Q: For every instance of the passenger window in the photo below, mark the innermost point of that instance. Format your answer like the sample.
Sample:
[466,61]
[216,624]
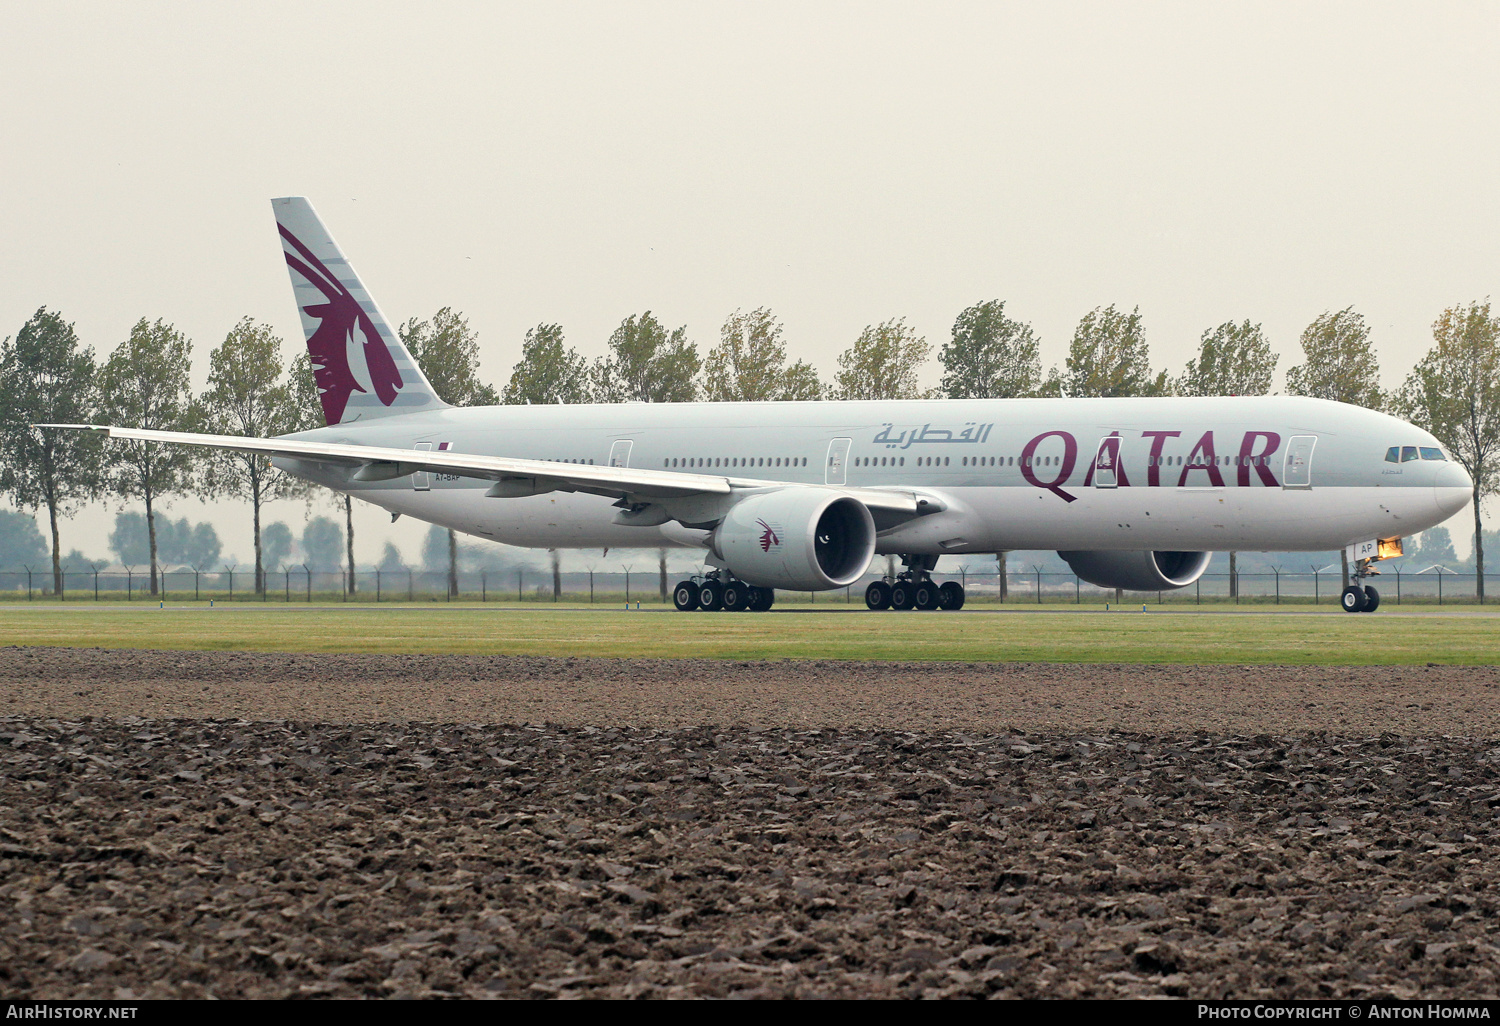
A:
[1408,453]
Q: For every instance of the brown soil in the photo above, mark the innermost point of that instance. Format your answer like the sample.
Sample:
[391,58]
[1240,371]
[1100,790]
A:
[185,824]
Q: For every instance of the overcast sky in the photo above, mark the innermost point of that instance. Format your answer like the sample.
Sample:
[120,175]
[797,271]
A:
[841,164]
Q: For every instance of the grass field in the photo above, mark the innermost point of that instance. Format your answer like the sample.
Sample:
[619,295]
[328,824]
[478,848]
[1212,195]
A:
[1455,636]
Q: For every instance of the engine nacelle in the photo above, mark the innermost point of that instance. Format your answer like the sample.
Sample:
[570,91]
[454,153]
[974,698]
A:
[806,539]
[1138,571]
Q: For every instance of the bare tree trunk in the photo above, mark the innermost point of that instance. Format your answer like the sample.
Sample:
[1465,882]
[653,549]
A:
[452,564]
[1119,596]
[349,539]
[260,567]
[556,575]
[661,567]
[1000,558]
[57,575]
[151,534]
[1478,550]
[1234,576]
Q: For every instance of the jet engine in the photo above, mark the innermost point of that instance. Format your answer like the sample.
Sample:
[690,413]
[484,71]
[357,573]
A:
[799,538]
[1138,571]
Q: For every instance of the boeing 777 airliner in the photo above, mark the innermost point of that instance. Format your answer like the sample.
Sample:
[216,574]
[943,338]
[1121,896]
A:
[1133,493]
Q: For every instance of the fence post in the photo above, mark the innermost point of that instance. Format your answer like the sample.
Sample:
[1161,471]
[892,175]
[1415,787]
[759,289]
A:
[1398,586]
[411,594]
[1440,587]
[484,591]
[377,585]
[1038,585]
[96,584]
[231,585]
[627,587]
[1198,590]
[1077,591]
[129,585]
[1278,586]
[308,570]
[195,584]
[519,574]
[1316,577]
[28,584]
[591,587]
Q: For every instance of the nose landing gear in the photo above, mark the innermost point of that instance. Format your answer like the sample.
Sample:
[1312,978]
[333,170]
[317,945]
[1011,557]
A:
[1361,598]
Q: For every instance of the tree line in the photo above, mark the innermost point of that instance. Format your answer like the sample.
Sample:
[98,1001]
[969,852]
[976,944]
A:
[48,376]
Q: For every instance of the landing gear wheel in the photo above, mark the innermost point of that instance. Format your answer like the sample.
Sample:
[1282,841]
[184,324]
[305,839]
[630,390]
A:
[878,595]
[1353,599]
[685,596]
[951,595]
[762,599]
[925,595]
[1372,600]
[710,596]
[903,595]
[736,596]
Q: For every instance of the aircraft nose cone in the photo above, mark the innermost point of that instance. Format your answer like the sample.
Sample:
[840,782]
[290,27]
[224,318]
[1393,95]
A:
[1452,489]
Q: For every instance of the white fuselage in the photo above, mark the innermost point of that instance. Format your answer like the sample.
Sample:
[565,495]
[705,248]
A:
[1099,474]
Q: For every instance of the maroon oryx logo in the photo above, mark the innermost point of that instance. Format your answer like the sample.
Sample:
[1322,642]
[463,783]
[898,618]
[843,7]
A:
[768,538]
[341,321]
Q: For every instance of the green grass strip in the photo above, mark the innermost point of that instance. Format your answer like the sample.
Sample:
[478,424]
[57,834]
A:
[1065,634]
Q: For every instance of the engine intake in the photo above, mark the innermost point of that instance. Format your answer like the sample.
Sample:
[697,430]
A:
[1138,571]
[801,538]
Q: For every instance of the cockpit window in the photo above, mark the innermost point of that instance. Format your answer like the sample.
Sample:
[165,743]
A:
[1432,454]
[1393,454]
[1408,453]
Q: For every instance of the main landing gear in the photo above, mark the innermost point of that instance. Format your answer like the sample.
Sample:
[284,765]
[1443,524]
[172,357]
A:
[914,588]
[719,591]
[1361,598]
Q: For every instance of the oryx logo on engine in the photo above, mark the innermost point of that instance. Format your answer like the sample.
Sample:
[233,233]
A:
[768,538]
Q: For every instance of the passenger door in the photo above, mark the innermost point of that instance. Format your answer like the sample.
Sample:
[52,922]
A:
[421,481]
[619,453]
[835,473]
[1107,462]
[1297,471]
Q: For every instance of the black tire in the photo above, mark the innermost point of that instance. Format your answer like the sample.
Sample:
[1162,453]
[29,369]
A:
[1372,600]
[710,596]
[951,595]
[878,595]
[925,596]
[903,595]
[1352,599]
[762,599]
[685,596]
[736,597]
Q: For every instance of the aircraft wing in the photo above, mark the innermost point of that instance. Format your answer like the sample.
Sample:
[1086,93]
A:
[378,463]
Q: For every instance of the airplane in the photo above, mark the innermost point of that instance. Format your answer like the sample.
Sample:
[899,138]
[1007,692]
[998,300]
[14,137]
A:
[1133,493]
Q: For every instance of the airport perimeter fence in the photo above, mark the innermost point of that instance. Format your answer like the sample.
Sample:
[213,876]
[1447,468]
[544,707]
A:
[531,585]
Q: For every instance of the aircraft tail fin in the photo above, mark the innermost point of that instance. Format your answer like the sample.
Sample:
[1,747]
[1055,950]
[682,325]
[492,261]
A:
[361,368]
